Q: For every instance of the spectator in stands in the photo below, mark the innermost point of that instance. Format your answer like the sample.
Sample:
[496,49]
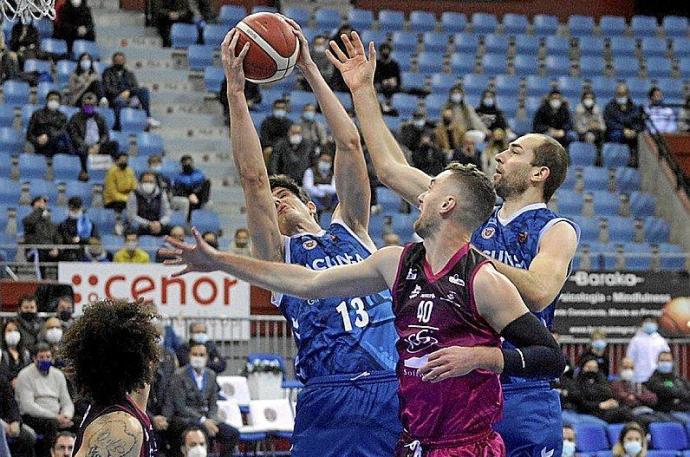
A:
[191,186]
[553,118]
[63,446]
[47,130]
[194,442]
[623,120]
[39,229]
[122,90]
[51,334]
[672,391]
[467,153]
[659,116]
[274,128]
[319,183]
[64,310]
[568,441]
[155,163]
[22,439]
[160,391]
[15,354]
[148,209]
[169,12]
[77,229]
[632,442]
[411,132]
[211,238]
[448,133]
[594,395]
[241,242]
[489,113]
[25,42]
[391,239]
[292,156]
[43,399]
[497,144]
[636,396]
[30,323]
[387,76]
[194,394]
[251,92]
[131,253]
[463,113]
[9,65]
[75,23]
[85,79]
[589,120]
[684,117]
[427,156]
[119,182]
[176,232]
[644,349]
[199,335]
[312,129]
[94,252]
[597,350]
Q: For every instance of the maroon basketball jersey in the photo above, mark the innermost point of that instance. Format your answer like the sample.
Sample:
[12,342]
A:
[434,312]
[127,405]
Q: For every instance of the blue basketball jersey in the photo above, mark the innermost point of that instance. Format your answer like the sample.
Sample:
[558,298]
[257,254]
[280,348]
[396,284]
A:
[337,335]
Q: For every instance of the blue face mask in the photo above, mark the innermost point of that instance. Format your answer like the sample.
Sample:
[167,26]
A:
[599,345]
[568,448]
[632,448]
[650,328]
[665,367]
[44,365]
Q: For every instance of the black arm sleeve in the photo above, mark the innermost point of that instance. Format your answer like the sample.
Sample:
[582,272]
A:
[536,355]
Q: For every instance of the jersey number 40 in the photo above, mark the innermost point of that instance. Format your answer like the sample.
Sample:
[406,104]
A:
[362,319]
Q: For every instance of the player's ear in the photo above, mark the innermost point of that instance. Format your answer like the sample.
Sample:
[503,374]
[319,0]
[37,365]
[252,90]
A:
[540,174]
[311,207]
[448,204]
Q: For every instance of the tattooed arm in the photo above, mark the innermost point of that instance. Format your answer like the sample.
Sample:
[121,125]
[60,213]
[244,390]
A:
[113,435]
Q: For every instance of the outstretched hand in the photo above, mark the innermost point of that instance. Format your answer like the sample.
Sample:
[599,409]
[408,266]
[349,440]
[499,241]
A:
[304,58]
[198,258]
[356,67]
[233,65]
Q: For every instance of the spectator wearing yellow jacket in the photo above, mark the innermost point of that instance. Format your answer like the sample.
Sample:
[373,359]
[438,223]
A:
[119,182]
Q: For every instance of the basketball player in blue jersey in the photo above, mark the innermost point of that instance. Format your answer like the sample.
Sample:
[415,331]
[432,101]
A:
[346,345]
[531,245]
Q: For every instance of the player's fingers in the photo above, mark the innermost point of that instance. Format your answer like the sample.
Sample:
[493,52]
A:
[170,252]
[292,22]
[181,272]
[197,236]
[433,374]
[228,37]
[357,43]
[173,261]
[436,354]
[429,366]
[372,52]
[331,58]
[233,43]
[348,45]
[173,242]
[243,52]
[443,376]
[337,51]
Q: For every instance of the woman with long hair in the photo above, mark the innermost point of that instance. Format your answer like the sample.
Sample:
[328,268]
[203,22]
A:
[632,441]
[85,79]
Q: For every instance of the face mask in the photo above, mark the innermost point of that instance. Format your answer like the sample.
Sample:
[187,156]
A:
[295,139]
[66,314]
[568,448]
[118,66]
[85,65]
[622,100]
[187,168]
[456,98]
[197,451]
[54,335]
[419,123]
[324,167]
[320,49]
[197,362]
[156,168]
[241,244]
[76,3]
[89,110]
[588,102]
[488,101]
[632,448]
[590,376]
[447,120]
[627,374]
[131,245]
[122,165]
[308,115]
[94,252]
[76,214]
[650,328]
[44,365]
[46,214]
[599,345]
[12,338]
[148,187]
[200,337]
[555,103]
[53,105]
[28,316]
[385,55]
[279,113]
[665,367]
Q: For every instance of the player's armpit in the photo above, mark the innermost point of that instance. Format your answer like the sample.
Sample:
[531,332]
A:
[112,435]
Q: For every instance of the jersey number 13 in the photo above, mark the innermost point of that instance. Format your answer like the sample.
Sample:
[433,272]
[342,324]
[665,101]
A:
[362,319]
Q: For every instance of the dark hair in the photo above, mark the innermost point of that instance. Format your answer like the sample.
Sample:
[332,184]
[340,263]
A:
[20,345]
[79,70]
[154,156]
[130,231]
[62,434]
[569,426]
[37,198]
[75,202]
[147,173]
[120,154]
[193,428]
[54,92]
[551,154]
[185,157]
[652,90]
[118,53]
[25,298]
[385,45]
[111,350]
[41,346]
[209,232]
[480,193]
[280,100]
[290,184]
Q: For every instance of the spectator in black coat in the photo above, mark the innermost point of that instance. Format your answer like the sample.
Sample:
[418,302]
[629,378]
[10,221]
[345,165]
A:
[122,90]
[39,229]
[594,395]
[293,155]
[15,355]
[411,132]
[89,132]
[597,350]
[623,119]
[75,22]
[387,76]
[199,335]
[95,252]
[427,157]
[30,324]
[21,439]
[336,82]
[672,391]
[274,127]
[155,163]
[9,64]
[553,119]
[159,393]
[148,209]
[25,41]
[489,113]
[169,12]
[47,130]
[77,229]
[190,185]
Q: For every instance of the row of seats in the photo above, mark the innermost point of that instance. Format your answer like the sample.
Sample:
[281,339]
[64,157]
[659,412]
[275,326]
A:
[669,436]
[59,47]
[597,256]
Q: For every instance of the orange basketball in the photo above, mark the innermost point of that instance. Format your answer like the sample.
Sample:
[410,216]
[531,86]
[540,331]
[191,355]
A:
[273,48]
[675,319]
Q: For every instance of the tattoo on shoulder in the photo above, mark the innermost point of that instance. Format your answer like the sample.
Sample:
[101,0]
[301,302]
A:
[114,438]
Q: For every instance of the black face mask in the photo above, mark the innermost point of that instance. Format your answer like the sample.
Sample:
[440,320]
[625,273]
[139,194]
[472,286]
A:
[28,316]
[385,55]
[447,120]
[118,67]
[187,169]
[65,315]
[590,377]
[122,165]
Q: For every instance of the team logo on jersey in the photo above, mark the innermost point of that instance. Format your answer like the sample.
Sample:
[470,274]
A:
[270,414]
[522,237]
[411,274]
[488,232]
[309,244]
[451,298]
[455,279]
[415,292]
[421,340]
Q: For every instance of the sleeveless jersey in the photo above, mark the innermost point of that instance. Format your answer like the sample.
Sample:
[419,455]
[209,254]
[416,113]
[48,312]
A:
[126,405]
[337,335]
[434,312]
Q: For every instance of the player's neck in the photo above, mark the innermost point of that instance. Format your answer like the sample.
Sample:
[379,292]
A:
[443,245]
[306,226]
[512,205]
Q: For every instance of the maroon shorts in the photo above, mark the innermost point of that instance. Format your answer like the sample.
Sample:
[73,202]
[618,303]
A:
[491,445]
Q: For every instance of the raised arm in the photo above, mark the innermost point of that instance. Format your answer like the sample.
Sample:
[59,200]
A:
[262,219]
[374,274]
[115,434]
[389,161]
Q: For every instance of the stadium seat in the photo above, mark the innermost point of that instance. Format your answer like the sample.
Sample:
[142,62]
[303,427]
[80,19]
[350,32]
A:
[422,21]
[557,46]
[360,19]
[68,111]
[527,44]
[122,140]
[532,104]
[213,78]
[442,82]
[658,453]
[149,144]
[199,56]
[453,22]
[473,83]
[582,154]
[620,229]
[183,35]
[264,9]
[668,435]
[466,42]
[545,24]
[526,64]
[673,87]
[434,103]
[515,23]
[133,120]
[590,438]
[623,46]
[494,64]
[615,155]
[644,26]
[327,18]
[178,218]
[345,99]
[658,67]
[507,85]
[522,127]
[103,218]
[10,191]
[638,257]
[580,26]
[40,66]
[672,257]
[6,115]
[589,229]
[591,46]
[642,204]
[214,34]
[81,46]
[58,214]
[377,36]
[627,179]
[570,203]
[595,178]
[626,67]
[299,15]
[108,115]
[605,203]
[496,44]
[64,68]
[404,41]
[391,20]
[413,81]
[656,230]
[603,87]
[43,88]
[205,220]
[27,112]
[405,104]
[462,63]
[484,23]
[435,42]
[570,87]
[612,25]
[638,87]
[5,168]
[41,187]
[684,67]
[299,99]
[508,104]
[557,66]
[54,46]
[65,167]
[45,28]
[393,123]
[11,141]
[592,66]
[230,15]
[653,46]
[675,26]
[15,92]
[32,166]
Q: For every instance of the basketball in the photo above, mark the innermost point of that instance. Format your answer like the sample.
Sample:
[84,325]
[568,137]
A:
[273,48]
[675,319]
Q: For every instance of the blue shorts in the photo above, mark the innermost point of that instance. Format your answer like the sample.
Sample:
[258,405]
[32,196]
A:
[532,425]
[340,417]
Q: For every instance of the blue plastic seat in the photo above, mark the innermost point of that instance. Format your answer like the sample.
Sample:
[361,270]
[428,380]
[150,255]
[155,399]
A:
[496,44]
[404,59]
[484,23]
[213,36]
[230,15]
[638,256]
[183,35]
[149,144]
[205,220]
[507,85]
[557,45]
[360,19]
[672,257]
[10,191]
[653,46]
[626,67]
[404,41]
[6,115]
[591,46]
[545,24]
[81,46]
[668,435]
[508,104]
[413,81]
[684,67]
[16,92]
[620,229]
[590,438]
[32,166]
[582,154]
[11,140]
[436,42]
[453,22]
[299,99]
[442,82]
[65,167]
[627,179]
[515,23]
[5,168]
[605,203]
[327,18]
[393,123]
[612,25]
[40,66]
[213,78]
[589,229]
[557,66]
[108,115]
[43,88]
[466,42]
[41,187]
[64,68]
[595,178]
[391,20]
[675,26]
[27,112]
[461,63]
[133,120]
[644,26]
[53,46]
[493,64]
[422,21]
[527,44]
[434,103]
[623,46]
[615,154]
[603,86]
[199,56]
[522,127]
[526,64]
[68,111]
[45,28]
[570,203]
[570,87]
[662,453]
[638,87]
[473,83]
[673,87]
[580,26]
[405,104]
[103,218]
[656,230]
[122,140]
[377,36]
[299,15]
[658,67]
[642,204]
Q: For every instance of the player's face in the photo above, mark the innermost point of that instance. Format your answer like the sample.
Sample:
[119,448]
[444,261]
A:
[514,167]
[291,210]
[430,203]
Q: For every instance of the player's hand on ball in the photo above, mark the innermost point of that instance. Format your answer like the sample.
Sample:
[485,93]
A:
[232,64]
[448,363]
[200,258]
[304,59]
[356,67]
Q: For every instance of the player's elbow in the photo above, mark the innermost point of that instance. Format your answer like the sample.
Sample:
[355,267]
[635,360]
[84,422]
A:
[539,300]
[253,179]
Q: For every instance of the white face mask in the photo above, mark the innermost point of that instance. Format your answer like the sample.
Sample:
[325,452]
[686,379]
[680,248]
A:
[632,448]
[309,115]
[555,103]
[280,113]
[456,98]
[295,139]
[12,338]
[324,167]
[197,451]
[622,100]
[76,3]
[54,335]
[131,245]
[627,374]
[488,101]
[156,167]
[76,214]
[419,123]
[197,362]
[200,337]
[85,65]
[588,102]
[148,187]
[53,105]
[320,49]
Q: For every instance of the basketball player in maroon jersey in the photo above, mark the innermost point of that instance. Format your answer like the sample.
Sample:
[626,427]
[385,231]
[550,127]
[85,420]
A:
[449,301]
[112,352]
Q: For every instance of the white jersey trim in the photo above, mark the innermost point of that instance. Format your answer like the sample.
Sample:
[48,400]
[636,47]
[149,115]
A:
[550,224]
[522,210]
